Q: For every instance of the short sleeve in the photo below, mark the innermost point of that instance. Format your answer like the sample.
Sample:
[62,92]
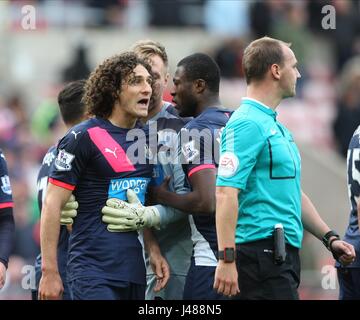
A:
[197,150]
[73,153]
[241,143]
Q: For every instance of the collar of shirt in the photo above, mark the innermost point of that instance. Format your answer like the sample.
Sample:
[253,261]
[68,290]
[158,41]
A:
[260,106]
[161,113]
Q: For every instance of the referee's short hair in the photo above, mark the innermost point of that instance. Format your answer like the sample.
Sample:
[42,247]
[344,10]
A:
[259,55]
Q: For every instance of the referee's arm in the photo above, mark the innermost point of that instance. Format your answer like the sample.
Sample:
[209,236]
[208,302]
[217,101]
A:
[226,276]
[314,224]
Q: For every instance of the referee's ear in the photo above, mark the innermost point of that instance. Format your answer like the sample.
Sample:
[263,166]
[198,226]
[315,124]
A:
[275,71]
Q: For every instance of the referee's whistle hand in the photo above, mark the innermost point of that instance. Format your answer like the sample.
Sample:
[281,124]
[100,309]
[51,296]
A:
[50,287]
[226,279]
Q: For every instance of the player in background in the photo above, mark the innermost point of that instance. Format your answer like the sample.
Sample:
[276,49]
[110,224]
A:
[72,111]
[349,276]
[7,225]
[108,156]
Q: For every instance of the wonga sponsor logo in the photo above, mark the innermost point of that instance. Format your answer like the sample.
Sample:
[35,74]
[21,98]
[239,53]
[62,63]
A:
[118,187]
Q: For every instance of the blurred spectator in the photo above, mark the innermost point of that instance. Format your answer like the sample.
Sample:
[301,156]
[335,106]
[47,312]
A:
[165,13]
[227,18]
[107,12]
[229,58]
[175,13]
[13,289]
[314,8]
[79,67]
[43,120]
[348,105]
[25,244]
[291,28]
[260,19]
[346,35]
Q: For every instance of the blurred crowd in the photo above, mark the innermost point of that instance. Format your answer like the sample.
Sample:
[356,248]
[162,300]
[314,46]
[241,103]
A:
[26,134]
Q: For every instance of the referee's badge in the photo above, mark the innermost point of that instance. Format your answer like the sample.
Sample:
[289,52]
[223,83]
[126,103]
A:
[228,165]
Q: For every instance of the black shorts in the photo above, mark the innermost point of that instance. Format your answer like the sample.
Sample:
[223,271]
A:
[260,278]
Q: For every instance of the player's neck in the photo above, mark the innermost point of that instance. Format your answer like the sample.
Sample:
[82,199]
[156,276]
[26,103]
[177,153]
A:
[153,112]
[264,94]
[121,119]
[207,103]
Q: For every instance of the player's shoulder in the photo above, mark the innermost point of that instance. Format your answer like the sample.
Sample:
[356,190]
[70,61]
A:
[51,149]
[85,125]
[79,131]
[355,140]
[49,156]
[2,161]
[172,113]
[170,120]
[211,118]
[2,155]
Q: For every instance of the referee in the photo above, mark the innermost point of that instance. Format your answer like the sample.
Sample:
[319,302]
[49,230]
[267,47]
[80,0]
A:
[258,193]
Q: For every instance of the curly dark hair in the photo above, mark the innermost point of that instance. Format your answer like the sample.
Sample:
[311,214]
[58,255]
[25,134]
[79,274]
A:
[103,87]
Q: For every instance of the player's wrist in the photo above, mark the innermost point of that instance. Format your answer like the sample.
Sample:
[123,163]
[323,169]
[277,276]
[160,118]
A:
[331,242]
[153,217]
[227,255]
[49,270]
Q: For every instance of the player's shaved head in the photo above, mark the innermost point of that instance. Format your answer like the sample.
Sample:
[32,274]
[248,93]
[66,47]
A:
[202,66]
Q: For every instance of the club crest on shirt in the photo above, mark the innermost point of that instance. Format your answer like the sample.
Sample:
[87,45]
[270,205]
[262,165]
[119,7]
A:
[228,165]
[5,185]
[189,151]
[63,160]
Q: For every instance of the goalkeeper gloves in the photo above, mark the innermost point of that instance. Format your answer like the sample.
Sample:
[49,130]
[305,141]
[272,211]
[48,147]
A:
[122,216]
[69,211]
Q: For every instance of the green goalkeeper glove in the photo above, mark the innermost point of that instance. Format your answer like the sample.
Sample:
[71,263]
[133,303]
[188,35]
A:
[122,216]
[69,211]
